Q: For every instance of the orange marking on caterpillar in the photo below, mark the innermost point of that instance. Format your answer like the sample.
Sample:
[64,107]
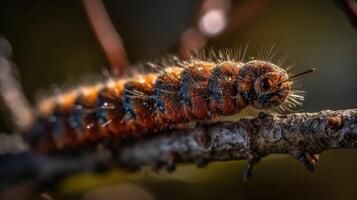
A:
[147,103]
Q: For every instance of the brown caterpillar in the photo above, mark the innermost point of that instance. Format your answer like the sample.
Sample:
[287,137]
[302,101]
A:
[195,90]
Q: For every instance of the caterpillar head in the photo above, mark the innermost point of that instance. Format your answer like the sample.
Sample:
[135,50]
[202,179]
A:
[271,89]
[265,85]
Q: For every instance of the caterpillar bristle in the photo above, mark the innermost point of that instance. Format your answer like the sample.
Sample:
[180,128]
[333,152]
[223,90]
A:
[172,92]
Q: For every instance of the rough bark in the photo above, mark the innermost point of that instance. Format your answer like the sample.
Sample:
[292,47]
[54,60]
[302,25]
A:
[302,135]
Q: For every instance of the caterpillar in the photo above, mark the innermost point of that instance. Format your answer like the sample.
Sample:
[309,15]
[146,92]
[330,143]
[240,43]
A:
[195,90]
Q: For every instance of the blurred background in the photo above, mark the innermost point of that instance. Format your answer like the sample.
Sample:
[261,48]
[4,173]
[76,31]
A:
[56,42]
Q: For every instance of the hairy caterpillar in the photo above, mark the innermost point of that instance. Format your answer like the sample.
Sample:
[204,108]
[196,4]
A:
[194,90]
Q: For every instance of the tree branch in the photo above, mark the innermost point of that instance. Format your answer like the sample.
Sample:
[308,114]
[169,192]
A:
[301,135]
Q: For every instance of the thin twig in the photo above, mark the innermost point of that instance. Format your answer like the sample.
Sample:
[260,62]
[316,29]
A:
[349,7]
[11,93]
[108,37]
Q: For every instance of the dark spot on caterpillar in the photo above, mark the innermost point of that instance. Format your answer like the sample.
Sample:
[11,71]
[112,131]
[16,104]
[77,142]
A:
[185,89]
[266,84]
[223,89]
[55,123]
[159,89]
[38,132]
[128,100]
[147,103]
[101,102]
[168,97]
[213,84]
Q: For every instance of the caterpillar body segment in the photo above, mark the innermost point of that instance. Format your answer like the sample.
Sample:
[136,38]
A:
[147,103]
